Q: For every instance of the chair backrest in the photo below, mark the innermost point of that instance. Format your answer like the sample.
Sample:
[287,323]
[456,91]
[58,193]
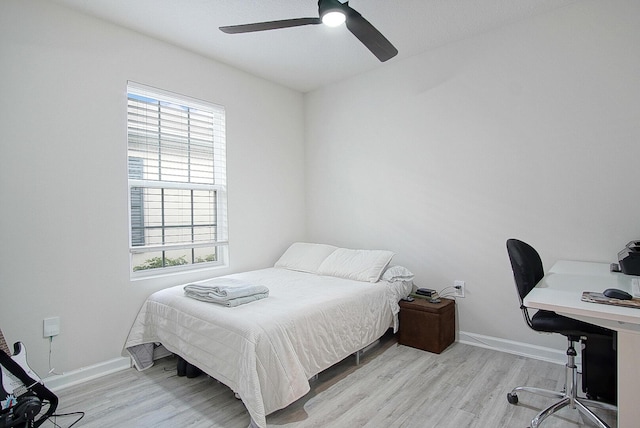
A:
[526,265]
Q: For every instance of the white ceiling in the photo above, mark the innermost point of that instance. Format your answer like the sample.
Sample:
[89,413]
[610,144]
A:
[306,58]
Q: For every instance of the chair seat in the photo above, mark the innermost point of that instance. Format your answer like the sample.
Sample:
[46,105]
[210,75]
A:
[550,322]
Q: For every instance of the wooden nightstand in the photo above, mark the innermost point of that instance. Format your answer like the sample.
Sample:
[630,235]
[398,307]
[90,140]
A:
[427,326]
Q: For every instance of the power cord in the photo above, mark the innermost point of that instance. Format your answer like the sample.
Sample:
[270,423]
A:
[59,415]
[51,370]
[487,344]
[53,418]
[449,294]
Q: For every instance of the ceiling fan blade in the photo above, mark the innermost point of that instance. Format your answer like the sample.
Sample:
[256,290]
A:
[270,25]
[368,35]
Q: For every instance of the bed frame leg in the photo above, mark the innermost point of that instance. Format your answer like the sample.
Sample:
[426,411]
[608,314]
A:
[365,349]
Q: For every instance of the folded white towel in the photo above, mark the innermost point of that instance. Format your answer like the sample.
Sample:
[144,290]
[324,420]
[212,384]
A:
[229,302]
[222,290]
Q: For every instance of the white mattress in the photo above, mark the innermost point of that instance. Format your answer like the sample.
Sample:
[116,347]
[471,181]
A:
[267,350]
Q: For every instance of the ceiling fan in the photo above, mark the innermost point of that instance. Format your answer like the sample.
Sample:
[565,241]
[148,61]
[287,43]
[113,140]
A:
[331,13]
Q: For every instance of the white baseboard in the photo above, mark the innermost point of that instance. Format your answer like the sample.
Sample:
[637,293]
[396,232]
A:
[75,377]
[516,348]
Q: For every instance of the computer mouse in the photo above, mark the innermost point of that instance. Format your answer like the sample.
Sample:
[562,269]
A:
[614,293]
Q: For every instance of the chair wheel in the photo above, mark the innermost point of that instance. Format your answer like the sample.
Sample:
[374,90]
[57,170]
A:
[512,398]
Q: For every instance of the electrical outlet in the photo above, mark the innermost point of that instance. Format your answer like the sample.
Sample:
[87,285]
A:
[459,287]
[51,327]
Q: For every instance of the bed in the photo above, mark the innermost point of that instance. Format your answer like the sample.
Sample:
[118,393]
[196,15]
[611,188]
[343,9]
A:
[324,304]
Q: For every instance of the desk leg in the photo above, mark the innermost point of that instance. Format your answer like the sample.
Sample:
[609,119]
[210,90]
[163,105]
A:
[628,379]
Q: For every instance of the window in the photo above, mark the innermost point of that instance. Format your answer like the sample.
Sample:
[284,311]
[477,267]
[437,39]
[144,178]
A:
[177,181]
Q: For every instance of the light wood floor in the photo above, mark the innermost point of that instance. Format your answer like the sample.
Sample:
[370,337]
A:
[394,386]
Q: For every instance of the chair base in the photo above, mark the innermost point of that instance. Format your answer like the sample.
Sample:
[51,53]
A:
[567,397]
[565,400]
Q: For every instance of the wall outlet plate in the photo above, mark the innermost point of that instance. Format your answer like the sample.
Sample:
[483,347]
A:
[459,288]
[51,326]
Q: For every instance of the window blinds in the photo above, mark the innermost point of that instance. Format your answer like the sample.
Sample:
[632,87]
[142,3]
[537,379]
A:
[177,177]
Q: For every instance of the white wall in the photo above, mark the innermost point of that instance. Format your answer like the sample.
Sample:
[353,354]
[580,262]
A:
[63,174]
[530,131]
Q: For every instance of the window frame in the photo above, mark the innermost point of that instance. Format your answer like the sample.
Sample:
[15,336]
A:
[217,186]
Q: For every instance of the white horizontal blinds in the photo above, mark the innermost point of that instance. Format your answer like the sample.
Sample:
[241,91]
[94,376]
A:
[136,203]
[177,178]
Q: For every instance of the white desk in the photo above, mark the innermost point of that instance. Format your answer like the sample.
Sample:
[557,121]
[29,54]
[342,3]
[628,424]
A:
[560,291]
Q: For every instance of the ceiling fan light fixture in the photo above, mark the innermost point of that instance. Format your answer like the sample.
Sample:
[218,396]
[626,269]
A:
[331,13]
[333,18]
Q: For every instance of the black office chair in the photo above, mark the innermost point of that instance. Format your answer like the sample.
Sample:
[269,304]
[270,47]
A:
[527,272]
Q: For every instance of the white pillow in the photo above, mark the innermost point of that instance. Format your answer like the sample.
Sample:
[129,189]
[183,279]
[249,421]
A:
[304,257]
[361,265]
[397,273]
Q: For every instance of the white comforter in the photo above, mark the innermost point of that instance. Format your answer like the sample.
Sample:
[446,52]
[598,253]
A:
[267,350]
